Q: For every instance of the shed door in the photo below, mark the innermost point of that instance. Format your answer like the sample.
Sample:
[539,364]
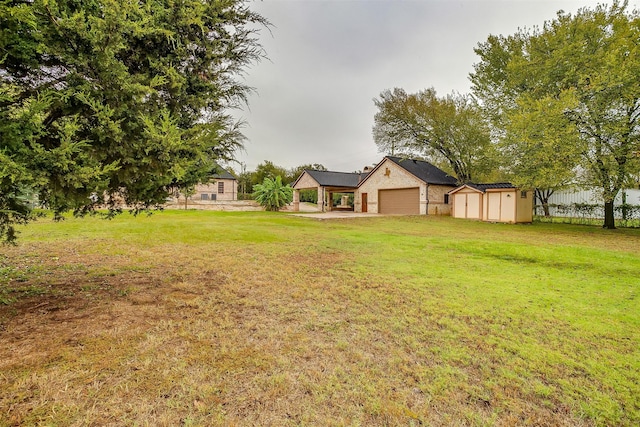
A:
[493,208]
[405,201]
[459,205]
[467,205]
[508,206]
[473,206]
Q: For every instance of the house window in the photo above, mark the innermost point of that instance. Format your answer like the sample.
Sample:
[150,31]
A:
[220,187]
[213,196]
[446,199]
[204,196]
[523,194]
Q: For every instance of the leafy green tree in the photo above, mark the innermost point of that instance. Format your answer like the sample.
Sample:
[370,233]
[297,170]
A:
[447,130]
[307,195]
[273,194]
[390,143]
[105,102]
[568,94]
[540,148]
[295,173]
[269,170]
[245,185]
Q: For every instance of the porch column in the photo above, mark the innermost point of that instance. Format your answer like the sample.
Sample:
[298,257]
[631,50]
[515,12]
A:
[296,200]
[321,199]
[329,201]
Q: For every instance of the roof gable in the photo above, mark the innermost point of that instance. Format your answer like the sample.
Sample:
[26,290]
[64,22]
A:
[422,170]
[483,188]
[219,173]
[335,179]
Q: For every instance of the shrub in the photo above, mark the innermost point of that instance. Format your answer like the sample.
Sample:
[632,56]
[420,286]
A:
[272,194]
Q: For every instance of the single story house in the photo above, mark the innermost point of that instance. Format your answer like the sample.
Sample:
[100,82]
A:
[394,186]
[499,202]
[405,186]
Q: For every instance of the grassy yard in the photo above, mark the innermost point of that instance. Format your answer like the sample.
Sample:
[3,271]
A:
[214,318]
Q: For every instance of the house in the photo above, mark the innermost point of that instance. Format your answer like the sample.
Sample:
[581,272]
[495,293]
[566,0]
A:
[499,202]
[405,186]
[224,186]
[394,186]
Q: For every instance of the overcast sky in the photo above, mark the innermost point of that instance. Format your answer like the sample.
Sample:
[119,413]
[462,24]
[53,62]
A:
[328,59]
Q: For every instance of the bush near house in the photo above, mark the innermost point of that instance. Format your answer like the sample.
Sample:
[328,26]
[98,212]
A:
[272,194]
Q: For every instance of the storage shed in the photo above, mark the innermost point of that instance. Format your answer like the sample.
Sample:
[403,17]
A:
[498,202]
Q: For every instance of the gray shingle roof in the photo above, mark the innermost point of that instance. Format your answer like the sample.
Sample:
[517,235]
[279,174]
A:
[496,185]
[220,173]
[424,171]
[336,179]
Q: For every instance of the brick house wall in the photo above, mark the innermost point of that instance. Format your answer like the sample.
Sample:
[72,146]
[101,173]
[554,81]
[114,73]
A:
[390,176]
[221,189]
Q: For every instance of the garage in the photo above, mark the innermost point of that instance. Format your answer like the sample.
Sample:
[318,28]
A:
[405,201]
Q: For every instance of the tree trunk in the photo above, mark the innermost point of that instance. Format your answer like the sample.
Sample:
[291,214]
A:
[543,196]
[609,220]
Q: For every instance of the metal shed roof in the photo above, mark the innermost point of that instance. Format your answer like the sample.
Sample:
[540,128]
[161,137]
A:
[494,186]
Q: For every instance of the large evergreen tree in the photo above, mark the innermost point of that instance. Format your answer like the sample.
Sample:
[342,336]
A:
[104,102]
[565,98]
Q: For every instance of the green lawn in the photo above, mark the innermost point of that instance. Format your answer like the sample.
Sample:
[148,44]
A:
[217,318]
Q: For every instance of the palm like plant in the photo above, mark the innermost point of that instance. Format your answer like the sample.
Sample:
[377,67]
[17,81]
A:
[272,194]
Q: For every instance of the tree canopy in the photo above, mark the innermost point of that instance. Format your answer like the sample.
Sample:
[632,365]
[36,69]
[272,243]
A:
[449,130]
[268,169]
[104,103]
[565,99]
[295,173]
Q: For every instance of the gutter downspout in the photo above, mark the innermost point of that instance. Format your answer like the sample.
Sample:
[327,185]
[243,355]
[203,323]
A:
[427,211]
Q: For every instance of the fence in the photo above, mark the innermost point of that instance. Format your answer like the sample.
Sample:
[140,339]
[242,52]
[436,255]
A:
[583,207]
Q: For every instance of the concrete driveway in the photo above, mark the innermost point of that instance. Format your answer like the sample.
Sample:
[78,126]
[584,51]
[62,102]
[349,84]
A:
[336,215]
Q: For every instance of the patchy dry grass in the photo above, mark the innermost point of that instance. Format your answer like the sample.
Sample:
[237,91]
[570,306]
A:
[210,318]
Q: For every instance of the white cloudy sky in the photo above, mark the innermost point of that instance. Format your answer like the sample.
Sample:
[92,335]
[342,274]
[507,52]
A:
[328,59]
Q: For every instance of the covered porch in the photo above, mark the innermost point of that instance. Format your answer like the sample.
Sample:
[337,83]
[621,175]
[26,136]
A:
[327,184]
[325,198]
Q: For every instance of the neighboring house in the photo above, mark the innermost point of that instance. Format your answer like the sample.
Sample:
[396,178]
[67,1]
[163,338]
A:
[223,186]
[500,202]
[393,186]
